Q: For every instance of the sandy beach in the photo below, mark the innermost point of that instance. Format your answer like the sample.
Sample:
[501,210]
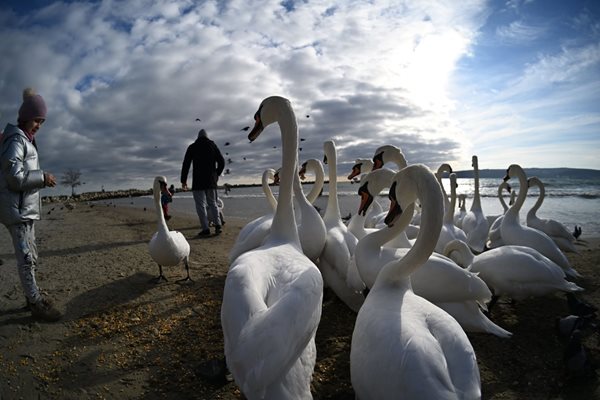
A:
[124,337]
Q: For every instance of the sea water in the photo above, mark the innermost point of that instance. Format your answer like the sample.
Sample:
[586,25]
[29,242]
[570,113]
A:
[569,201]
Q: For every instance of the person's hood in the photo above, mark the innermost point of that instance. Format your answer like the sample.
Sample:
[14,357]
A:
[12,130]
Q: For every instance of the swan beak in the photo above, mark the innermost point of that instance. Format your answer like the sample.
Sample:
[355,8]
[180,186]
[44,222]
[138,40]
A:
[365,200]
[325,159]
[395,209]
[393,213]
[377,161]
[355,171]
[302,171]
[258,126]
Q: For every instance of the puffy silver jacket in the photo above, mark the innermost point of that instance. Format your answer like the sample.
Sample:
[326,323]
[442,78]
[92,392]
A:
[20,178]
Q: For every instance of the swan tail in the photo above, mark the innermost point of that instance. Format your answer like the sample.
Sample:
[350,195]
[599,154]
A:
[573,273]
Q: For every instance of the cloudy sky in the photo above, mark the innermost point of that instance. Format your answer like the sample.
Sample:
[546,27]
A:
[514,81]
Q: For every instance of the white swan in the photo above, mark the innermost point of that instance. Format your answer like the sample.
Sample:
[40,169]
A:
[167,248]
[514,233]
[339,246]
[439,280]
[272,296]
[403,345]
[449,230]
[254,232]
[494,234]
[557,231]
[474,223]
[316,167]
[517,272]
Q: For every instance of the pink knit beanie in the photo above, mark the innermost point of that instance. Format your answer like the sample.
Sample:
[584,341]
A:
[33,106]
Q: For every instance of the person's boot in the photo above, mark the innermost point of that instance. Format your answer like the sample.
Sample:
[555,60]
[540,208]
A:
[45,310]
[218,229]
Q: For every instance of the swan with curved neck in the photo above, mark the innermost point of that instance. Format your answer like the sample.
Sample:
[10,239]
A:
[557,231]
[402,343]
[474,223]
[254,232]
[514,233]
[340,243]
[273,294]
[449,230]
[167,248]
[316,167]
[518,272]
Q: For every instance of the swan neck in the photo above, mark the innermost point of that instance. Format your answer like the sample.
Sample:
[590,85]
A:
[501,198]
[318,185]
[333,207]
[476,205]
[516,207]
[161,223]
[268,192]
[284,221]
[540,199]
[432,214]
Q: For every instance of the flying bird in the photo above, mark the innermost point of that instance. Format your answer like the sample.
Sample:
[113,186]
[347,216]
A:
[198,119]
[226,143]
[245,128]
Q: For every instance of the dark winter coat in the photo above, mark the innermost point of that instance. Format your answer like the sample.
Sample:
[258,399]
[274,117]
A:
[208,164]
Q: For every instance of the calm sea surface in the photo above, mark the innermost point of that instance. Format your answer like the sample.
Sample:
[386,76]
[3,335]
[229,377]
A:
[570,201]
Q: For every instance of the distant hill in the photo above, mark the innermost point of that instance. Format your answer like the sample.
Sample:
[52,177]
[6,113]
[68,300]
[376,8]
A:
[570,173]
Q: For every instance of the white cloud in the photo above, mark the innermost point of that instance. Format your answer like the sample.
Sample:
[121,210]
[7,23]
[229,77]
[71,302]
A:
[125,81]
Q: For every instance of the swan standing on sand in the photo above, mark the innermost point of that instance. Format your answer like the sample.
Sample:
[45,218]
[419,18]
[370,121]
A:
[253,233]
[517,272]
[403,345]
[474,223]
[557,231]
[167,248]
[339,247]
[273,294]
[514,233]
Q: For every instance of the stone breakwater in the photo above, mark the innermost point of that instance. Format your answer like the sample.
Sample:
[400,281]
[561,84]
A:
[93,196]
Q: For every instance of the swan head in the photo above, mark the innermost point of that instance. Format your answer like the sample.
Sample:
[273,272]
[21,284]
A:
[443,168]
[159,183]
[302,170]
[268,112]
[512,170]
[408,185]
[358,167]
[388,153]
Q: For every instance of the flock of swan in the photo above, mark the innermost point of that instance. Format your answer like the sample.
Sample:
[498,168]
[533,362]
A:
[419,275]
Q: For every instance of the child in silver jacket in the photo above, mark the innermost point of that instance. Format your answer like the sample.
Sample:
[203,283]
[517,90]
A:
[20,204]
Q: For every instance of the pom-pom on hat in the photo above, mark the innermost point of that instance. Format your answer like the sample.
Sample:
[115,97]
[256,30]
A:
[33,106]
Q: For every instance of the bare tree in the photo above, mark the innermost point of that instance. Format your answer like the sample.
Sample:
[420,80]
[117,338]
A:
[71,177]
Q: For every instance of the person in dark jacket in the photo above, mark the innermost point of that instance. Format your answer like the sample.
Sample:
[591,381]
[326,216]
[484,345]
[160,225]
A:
[208,165]
[21,179]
